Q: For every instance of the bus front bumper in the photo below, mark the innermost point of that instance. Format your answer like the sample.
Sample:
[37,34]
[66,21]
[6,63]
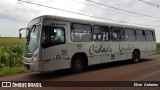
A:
[32,65]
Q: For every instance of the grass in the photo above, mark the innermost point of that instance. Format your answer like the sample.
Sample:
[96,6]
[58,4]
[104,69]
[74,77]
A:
[7,70]
[158,48]
[5,40]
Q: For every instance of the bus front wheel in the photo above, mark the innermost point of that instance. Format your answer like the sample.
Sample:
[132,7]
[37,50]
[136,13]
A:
[77,64]
[135,57]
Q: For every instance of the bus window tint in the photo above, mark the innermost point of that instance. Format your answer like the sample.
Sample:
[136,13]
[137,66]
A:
[100,33]
[149,36]
[129,35]
[117,34]
[140,35]
[81,33]
[52,36]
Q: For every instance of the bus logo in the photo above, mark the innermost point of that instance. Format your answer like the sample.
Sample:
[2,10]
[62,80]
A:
[6,84]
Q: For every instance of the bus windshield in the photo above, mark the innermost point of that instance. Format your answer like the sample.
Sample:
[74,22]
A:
[32,38]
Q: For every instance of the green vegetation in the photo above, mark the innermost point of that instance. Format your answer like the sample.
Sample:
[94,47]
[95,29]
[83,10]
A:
[7,70]
[158,48]
[11,55]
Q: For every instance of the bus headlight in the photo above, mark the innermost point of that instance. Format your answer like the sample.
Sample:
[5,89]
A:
[35,58]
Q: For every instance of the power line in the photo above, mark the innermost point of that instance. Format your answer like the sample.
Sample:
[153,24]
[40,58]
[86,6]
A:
[149,3]
[68,11]
[121,9]
[83,14]
[107,9]
[95,6]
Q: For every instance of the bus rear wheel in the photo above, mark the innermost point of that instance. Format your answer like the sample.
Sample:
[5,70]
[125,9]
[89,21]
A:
[78,64]
[135,57]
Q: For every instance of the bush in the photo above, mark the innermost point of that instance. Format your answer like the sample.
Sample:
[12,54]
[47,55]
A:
[2,65]
[11,51]
[158,48]
[11,55]
[7,70]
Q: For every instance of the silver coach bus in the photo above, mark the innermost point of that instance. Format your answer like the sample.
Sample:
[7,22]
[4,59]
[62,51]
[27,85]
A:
[54,42]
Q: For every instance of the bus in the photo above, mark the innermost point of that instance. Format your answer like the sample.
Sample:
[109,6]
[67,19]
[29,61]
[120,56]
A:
[56,42]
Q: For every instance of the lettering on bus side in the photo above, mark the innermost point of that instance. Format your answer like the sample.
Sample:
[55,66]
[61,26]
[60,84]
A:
[95,49]
[125,49]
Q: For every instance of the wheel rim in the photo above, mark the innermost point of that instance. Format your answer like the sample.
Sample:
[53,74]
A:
[78,64]
[136,57]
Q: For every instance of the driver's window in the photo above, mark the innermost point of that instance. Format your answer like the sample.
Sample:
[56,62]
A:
[57,35]
[53,35]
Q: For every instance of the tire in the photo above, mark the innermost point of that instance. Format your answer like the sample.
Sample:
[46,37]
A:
[78,64]
[135,57]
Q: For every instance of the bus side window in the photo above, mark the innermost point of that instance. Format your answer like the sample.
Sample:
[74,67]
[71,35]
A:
[81,33]
[94,37]
[154,38]
[140,35]
[129,34]
[100,33]
[149,36]
[52,35]
[117,34]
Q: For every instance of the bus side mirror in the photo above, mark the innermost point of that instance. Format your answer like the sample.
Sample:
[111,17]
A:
[20,35]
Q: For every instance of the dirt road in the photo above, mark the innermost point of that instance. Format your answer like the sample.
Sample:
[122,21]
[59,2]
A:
[148,69]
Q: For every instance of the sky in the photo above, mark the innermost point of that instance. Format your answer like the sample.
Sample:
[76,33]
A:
[15,14]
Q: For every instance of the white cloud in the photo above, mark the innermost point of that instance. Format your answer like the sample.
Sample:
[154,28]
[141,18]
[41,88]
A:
[15,14]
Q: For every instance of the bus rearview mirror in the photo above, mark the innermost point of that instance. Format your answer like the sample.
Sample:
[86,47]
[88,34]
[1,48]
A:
[20,35]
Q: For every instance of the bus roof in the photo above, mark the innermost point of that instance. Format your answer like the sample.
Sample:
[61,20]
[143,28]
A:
[74,20]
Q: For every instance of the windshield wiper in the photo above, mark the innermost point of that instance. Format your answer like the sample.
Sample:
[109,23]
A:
[29,34]
[28,37]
